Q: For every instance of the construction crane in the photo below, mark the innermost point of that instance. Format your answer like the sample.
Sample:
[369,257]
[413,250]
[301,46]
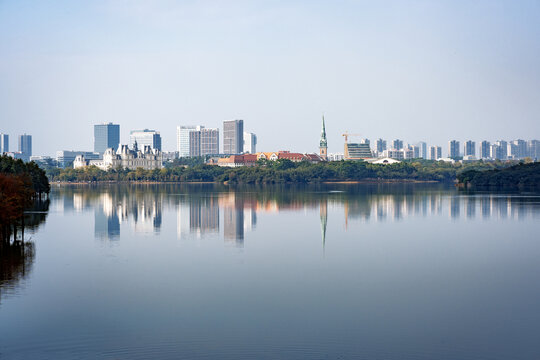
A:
[346,135]
[346,149]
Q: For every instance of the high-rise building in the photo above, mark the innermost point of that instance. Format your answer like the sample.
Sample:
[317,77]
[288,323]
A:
[25,146]
[250,143]
[233,136]
[435,152]
[106,135]
[503,149]
[484,149]
[423,149]
[533,148]
[453,149]
[381,146]
[148,137]
[470,148]
[209,141]
[415,151]
[518,149]
[397,144]
[65,157]
[4,143]
[195,143]
[323,143]
[203,141]
[182,138]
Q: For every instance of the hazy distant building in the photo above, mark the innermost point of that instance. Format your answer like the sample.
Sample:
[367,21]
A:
[533,148]
[435,152]
[250,143]
[144,137]
[397,144]
[469,149]
[106,135]
[25,146]
[423,149]
[66,157]
[4,143]
[323,143]
[517,149]
[502,150]
[381,146]
[484,149]
[453,149]
[401,154]
[233,136]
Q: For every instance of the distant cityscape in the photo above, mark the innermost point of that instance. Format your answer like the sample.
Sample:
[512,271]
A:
[239,148]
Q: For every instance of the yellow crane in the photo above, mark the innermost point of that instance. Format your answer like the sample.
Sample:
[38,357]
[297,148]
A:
[346,150]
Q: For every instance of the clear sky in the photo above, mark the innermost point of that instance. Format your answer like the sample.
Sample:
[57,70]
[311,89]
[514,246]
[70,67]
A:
[415,70]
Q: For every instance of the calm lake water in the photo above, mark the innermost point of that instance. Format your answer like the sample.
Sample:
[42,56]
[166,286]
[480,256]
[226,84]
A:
[316,272]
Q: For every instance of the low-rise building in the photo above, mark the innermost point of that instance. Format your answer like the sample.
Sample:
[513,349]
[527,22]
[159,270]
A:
[236,160]
[148,158]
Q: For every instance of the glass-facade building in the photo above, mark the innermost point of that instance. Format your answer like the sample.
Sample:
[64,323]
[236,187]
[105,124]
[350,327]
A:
[145,137]
[106,136]
[25,146]
[4,143]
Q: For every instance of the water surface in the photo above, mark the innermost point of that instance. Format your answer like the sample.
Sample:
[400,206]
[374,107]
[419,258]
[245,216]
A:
[314,272]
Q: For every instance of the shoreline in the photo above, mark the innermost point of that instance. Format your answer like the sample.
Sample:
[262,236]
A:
[363,181]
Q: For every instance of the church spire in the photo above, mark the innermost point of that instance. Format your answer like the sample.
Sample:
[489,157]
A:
[323,144]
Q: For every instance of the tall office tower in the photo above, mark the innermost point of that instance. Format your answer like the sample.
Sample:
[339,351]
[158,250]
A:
[415,151]
[233,136]
[106,135]
[470,148]
[381,146]
[4,143]
[397,144]
[423,149]
[182,138]
[497,152]
[250,143]
[195,143]
[533,149]
[519,148]
[209,141]
[503,148]
[145,137]
[484,149]
[25,146]
[453,149]
[435,152]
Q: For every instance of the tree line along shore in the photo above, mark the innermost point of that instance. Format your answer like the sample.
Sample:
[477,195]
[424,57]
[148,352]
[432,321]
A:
[280,171]
[21,186]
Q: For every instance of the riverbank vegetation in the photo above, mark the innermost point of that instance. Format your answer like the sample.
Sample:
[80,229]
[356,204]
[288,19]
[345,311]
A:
[521,176]
[21,185]
[281,171]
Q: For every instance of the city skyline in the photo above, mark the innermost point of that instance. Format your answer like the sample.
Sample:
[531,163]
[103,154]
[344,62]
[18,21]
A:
[397,70]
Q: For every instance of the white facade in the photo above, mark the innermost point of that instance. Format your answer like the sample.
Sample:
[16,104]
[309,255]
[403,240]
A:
[182,138]
[145,137]
[148,159]
[250,143]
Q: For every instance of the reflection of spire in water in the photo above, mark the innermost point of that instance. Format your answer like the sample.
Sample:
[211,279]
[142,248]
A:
[324,220]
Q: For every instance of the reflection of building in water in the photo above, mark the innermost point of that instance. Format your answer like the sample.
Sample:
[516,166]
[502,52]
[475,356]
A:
[106,220]
[250,218]
[454,207]
[323,213]
[204,214]
[233,220]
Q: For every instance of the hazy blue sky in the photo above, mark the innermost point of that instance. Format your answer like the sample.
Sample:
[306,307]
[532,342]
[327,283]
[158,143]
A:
[417,70]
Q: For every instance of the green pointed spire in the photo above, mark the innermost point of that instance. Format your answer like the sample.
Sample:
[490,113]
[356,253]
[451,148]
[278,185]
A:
[323,142]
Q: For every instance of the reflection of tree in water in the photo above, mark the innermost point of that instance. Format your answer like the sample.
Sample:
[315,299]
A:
[16,259]
[17,254]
